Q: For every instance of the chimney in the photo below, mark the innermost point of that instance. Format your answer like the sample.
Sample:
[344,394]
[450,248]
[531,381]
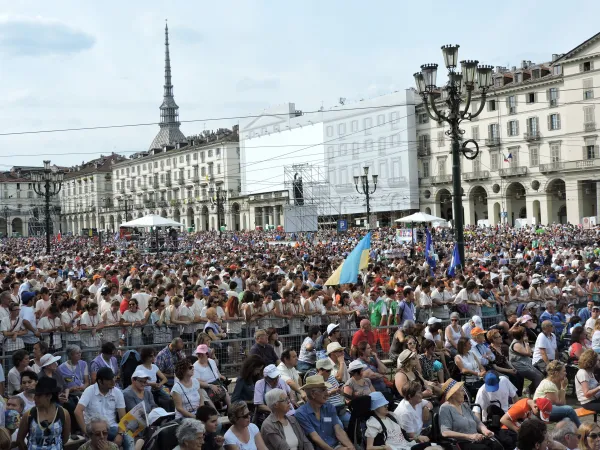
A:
[523,64]
[514,69]
[554,56]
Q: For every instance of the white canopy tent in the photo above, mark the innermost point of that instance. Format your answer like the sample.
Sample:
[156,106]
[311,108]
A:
[151,220]
[419,218]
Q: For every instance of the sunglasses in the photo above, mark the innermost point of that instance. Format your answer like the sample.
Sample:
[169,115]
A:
[593,435]
[453,320]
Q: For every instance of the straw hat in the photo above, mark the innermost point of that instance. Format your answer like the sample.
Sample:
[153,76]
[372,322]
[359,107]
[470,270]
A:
[315,382]
[450,387]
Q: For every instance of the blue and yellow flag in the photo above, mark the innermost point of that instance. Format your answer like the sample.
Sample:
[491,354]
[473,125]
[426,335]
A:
[357,260]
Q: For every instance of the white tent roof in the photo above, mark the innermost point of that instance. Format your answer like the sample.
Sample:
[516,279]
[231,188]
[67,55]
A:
[420,217]
[152,220]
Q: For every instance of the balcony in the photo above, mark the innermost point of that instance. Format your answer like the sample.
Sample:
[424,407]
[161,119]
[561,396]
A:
[181,181]
[479,175]
[162,204]
[144,187]
[590,126]
[441,179]
[532,136]
[492,142]
[423,149]
[122,191]
[175,203]
[513,171]
[196,179]
[168,183]
[395,182]
[155,185]
[138,206]
[132,189]
[149,204]
[552,167]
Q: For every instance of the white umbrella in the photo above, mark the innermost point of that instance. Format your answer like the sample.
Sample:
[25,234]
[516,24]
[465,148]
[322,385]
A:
[152,220]
[420,217]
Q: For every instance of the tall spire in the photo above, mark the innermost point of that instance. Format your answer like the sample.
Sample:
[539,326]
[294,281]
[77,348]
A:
[169,133]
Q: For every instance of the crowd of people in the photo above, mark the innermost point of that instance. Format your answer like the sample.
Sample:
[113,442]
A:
[407,356]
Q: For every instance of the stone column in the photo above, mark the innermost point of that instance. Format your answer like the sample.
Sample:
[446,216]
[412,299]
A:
[574,202]
[598,202]
[276,215]
[469,211]
[492,216]
[529,206]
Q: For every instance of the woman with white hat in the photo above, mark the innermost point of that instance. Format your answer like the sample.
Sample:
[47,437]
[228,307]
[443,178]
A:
[408,364]
[357,385]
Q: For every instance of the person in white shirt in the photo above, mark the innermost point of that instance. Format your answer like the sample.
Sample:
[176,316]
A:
[4,305]
[142,297]
[105,400]
[413,411]
[43,303]
[545,345]
[51,323]
[289,374]
[495,389]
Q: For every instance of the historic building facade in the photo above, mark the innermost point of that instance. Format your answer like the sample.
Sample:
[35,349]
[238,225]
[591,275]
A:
[538,139]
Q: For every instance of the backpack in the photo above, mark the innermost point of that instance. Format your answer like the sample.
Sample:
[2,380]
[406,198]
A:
[381,438]
[161,436]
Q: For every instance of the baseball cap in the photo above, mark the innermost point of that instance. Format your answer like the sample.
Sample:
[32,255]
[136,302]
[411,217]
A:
[477,331]
[545,407]
[433,320]
[271,371]
[492,382]
[139,372]
[202,348]
[331,327]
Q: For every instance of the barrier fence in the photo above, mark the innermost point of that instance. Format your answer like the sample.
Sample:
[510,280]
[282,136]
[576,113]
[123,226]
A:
[230,353]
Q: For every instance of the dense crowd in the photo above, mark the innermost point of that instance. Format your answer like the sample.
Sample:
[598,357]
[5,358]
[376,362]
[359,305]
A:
[406,357]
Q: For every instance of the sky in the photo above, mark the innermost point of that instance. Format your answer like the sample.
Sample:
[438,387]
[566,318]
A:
[71,64]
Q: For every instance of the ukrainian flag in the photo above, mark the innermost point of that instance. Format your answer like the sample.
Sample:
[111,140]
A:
[357,260]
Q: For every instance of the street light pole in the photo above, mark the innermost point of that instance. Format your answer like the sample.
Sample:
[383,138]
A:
[48,184]
[364,179]
[459,85]
[218,197]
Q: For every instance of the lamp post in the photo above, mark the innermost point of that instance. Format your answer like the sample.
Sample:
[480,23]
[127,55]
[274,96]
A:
[364,181]
[218,197]
[48,184]
[459,89]
[6,214]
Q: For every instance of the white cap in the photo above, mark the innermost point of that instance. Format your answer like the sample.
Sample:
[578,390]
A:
[331,327]
[139,372]
[157,413]
[433,320]
[271,371]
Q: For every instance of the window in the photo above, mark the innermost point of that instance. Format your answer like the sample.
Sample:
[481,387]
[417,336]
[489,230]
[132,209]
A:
[513,128]
[588,114]
[355,150]
[329,131]
[532,126]
[514,151]
[343,150]
[218,169]
[381,145]
[556,70]
[210,153]
[494,161]
[29,194]
[341,129]
[535,73]
[492,105]
[477,165]
[354,126]
[156,164]
[194,157]
[380,120]
[554,121]
[168,162]
[493,131]
[534,156]
[424,143]
[202,156]
[588,88]
[330,152]
[425,169]
[590,149]
[553,96]
[511,104]
[218,152]
[498,82]
[586,66]
[368,124]
[475,132]
[555,152]
[203,171]
[395,120]
[440,139]
[369,146]
[442,166]
[423,118]
[530,97]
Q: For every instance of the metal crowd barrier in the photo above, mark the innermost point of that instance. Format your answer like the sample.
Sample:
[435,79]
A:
[230,353]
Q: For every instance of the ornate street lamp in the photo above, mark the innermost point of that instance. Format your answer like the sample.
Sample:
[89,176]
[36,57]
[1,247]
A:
[218,197]
[364,181]
[459,89]
[47,183]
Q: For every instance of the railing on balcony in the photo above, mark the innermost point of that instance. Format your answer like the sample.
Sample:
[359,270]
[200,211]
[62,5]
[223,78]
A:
[155,185]
[162,203]
[589,126]
[552,167]
[478,175]
[139,206]
[532,136]
[513,171]
[423,149]
[175,203]
[492,142]
[150,204]
[144,187]
[196,179]
[396,181]
[168,183]
[441,179]
[122,191]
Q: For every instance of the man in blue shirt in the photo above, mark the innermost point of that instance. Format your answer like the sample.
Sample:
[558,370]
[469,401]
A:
[319,418]
[586,313]
[550,314]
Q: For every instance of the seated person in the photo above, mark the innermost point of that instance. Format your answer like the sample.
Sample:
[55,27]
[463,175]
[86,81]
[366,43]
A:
[271,380]
[190,435]
[138,391]
[413,411]
[97,432]
[518,413]
[326,432]
[280,430]
[210,419]
[495,389]
[324,368]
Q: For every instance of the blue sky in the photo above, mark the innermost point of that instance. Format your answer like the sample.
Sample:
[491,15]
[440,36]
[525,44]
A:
[71,64]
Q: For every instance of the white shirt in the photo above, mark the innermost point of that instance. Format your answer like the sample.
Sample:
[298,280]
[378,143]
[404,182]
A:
[549,345]
[506,390]
[142,299]
[411,418]
[96,404]
[288,374]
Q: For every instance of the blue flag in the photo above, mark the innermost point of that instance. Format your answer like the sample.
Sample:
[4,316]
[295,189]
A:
[429,251]
[454,262]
